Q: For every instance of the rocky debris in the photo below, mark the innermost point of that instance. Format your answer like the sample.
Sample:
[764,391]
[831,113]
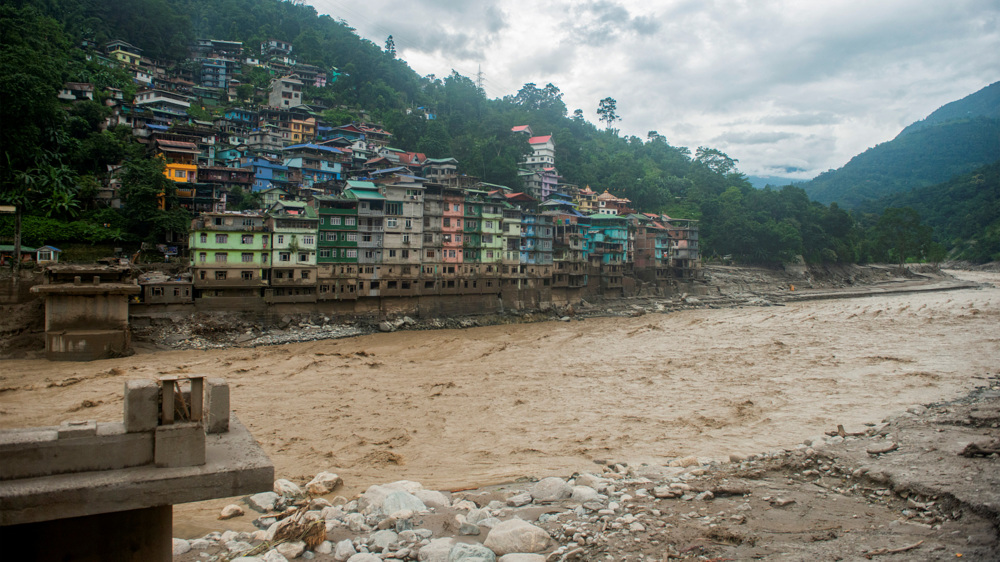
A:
[323,483]
[826,498]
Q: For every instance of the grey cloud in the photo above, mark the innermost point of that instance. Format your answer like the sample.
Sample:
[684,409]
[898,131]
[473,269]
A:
[747,137]
[599,22]
[803,119]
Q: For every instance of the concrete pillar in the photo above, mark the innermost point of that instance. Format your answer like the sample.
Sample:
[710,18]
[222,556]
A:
[217,398]
[141,405]
[136,535]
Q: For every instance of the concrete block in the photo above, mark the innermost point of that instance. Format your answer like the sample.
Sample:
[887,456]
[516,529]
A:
[141,405]
[217,399]
[71,429]
[29,454]
[180,444]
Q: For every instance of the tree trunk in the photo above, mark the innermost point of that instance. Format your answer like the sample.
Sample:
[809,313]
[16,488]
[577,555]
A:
[17,248]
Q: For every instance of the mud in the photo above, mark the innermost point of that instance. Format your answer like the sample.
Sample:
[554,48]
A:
[459,409]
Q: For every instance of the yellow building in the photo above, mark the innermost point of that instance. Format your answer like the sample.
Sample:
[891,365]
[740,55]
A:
[303,130]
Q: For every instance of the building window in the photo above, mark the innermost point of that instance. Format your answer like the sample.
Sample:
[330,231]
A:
[392,253]
[352,237]
[334,221]
[308,240]
[350,221]
[246,275]
[324,253]
[220,275]
[202,257]
[203,238]
[284,256]
[221,238]
[352,253]
[391,223]
[305,274]
[405,254]
[406,239]
[247,239]
[430,254]
[303,256]
[281,239]
[221,257]
[447,221]
[247,257]
[408,223]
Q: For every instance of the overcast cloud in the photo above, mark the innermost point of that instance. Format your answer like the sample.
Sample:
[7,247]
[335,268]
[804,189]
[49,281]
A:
[787,87]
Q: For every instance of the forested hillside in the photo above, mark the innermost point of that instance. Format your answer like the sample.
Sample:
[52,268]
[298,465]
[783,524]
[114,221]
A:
[964,212]
[61,151]
[956,139]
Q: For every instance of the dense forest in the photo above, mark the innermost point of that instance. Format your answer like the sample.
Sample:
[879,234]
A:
[964,212]
[56,155]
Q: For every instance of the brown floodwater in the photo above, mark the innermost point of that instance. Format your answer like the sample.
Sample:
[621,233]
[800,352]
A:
[463,408]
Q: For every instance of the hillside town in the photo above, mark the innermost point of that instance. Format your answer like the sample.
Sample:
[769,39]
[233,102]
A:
[345,215]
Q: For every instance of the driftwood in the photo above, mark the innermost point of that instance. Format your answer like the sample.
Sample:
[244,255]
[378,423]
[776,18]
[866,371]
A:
[875,451]
[881,551]
[983,449]
[841,432]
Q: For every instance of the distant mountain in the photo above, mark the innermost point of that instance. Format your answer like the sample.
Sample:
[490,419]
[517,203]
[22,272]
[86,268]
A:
[760,182]
[955,139]
[964,212]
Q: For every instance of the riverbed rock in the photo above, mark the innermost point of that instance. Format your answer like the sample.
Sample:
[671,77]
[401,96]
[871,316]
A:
[386,327]
[437,550]
[516,535]
[230,511]
[584,494]
[551,489]
[287,488]
[344,550]
[181,546]
[380,540]
[519,500]
[432,498]
[274,556]
[263,502]
[521,557]
[324,483]
[466,552]
[364,557]
[685,462]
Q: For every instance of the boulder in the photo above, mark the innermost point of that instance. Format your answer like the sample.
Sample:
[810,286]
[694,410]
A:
[400,501]
[274,556]
[584,494]
[230,511]
[324,483]
[516,535]
[471,552]
[551,489]
[181,546]
[436,551]
[263,502]
[287,488]
[380,540]
[521,557]
[433,498]
[292,549]
[344,550]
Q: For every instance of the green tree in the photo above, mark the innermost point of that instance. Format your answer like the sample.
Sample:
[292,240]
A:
[900,235]
[607,112]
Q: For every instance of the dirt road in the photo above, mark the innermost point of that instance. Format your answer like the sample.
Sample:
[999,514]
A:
[456,409]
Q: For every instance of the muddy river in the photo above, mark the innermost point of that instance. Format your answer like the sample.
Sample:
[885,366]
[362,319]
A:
[457,409]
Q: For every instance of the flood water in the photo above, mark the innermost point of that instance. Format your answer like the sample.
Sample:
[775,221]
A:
[455,409]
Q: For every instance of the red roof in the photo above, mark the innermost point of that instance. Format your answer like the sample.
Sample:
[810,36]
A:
[520,128]
[540,140]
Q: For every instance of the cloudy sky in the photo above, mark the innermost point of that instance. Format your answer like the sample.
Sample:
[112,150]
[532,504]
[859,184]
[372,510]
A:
[787,87]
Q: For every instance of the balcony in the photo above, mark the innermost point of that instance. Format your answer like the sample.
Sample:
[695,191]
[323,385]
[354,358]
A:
[370,228]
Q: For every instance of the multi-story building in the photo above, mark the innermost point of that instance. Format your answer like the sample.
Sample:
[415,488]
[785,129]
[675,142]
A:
[294,229]
[371,235]
[286,92]
[607,240]
[230,255]
[181,158]
[404,226]
[337,242]
[316,163]
[684,252]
